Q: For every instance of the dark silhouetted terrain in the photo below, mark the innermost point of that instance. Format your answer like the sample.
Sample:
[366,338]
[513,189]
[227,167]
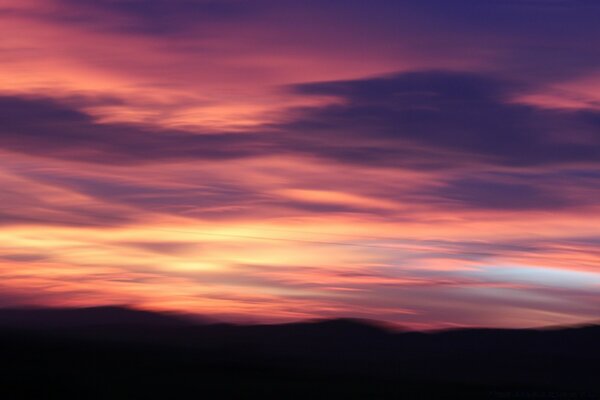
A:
[120,353]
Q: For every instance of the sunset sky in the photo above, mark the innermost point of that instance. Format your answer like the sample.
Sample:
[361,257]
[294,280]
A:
[430,163]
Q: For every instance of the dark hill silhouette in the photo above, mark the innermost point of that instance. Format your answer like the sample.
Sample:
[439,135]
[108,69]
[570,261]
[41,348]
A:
[114,352]
[52,318]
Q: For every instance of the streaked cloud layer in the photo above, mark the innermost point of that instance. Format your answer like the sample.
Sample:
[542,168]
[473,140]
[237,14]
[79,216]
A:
[429,163]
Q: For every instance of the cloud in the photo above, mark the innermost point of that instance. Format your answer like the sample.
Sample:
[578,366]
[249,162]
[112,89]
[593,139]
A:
[414,120]
[26,201]
[158,17]
[44,127]
[23,257]
[432,122]
[487,194]
[264,158]
[442,119]
[525,190]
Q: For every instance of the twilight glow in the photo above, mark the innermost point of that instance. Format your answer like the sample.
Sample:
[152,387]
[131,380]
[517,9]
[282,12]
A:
[431,163]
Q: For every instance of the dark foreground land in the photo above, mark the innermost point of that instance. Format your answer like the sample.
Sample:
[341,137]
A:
[117,353]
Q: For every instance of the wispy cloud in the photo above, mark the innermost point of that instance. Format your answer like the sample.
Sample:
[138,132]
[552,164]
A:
[431,163]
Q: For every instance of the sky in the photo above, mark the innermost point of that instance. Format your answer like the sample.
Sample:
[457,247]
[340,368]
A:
[428,163]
